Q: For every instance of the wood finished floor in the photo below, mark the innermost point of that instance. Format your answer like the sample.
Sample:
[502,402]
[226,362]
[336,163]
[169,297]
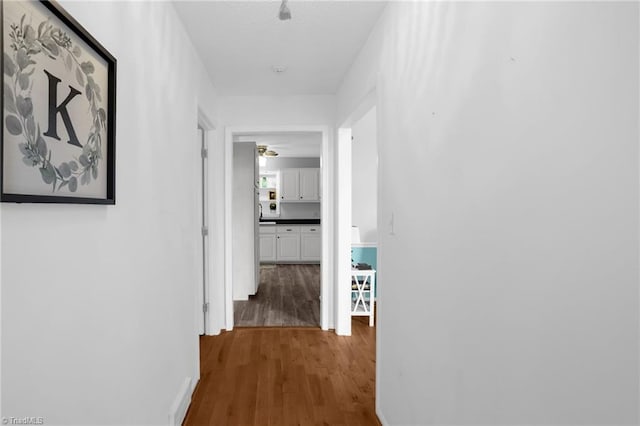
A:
[286,376]
[288,296]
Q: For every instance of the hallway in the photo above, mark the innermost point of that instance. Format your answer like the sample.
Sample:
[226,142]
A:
[502,180]
[286,376]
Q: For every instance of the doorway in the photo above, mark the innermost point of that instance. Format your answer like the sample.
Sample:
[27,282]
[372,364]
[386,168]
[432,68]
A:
[277,229]
[287,250]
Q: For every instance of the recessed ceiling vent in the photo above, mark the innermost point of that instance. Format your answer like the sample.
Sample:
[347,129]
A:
[278,69]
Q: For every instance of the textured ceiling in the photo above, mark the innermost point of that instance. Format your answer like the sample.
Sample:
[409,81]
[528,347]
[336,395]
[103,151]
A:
[240,43]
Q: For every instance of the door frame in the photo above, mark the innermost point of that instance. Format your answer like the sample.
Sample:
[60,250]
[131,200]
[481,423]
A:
[326,167]
[343,217]
[204,199]
[203,290]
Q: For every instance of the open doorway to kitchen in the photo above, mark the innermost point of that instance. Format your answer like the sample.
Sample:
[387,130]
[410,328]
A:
[277,266]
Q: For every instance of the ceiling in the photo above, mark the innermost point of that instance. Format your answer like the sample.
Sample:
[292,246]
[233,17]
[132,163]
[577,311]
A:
[286,144]
[241,41]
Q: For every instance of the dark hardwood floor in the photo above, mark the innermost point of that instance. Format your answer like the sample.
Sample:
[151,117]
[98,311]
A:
[286,376]
[288,296]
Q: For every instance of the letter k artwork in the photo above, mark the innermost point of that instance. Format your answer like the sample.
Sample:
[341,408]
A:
[61,109]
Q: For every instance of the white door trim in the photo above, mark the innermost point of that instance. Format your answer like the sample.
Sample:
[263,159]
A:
[326,166]
[203,294]
[208,131]
[343,234]
[343,213]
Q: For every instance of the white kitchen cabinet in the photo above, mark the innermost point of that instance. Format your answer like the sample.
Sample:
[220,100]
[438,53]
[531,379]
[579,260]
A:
[290,185]
[310,243]
[309,184]
[267,243]
[300,184]
[267,247]
[288,247]
[290,243]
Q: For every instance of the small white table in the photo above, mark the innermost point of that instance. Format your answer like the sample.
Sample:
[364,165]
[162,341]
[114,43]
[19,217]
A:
[363,290]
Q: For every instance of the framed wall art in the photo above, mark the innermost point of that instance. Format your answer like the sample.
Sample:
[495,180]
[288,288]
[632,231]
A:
[58,102]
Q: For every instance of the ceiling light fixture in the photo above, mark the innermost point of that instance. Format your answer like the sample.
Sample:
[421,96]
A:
[264,152]
[285,13]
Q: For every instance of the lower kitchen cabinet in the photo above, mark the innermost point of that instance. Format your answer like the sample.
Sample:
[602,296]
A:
[310,243]
[267,247]
[290,243]
[288,247]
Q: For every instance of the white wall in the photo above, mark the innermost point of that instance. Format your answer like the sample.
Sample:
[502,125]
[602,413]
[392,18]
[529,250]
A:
[364,177]
[98,302]
[244,220]
[277,110]
[508,137]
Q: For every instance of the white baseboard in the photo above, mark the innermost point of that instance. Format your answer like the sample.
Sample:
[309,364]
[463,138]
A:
[383,421]
[214,332]
[181,404]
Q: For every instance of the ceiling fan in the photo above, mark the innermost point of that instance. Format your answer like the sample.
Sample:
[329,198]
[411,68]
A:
[263,151]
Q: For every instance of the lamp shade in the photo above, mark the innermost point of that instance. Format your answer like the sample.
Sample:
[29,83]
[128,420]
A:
[355,235]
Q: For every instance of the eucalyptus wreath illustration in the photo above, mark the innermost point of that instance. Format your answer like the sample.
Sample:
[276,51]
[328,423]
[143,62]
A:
[26,45]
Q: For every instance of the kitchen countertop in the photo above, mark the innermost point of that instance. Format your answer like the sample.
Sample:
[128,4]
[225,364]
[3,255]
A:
[279,221]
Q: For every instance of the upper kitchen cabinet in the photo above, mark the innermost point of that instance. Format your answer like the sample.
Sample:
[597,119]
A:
[290,184]
[300,184]
[309,188]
